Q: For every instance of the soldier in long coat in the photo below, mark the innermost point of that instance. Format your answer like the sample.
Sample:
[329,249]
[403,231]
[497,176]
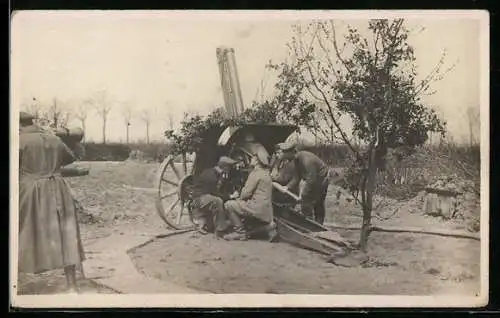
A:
[49,235]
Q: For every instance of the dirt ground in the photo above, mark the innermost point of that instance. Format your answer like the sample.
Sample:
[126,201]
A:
[111,207]
[54,282]
[117,200]
[398,264]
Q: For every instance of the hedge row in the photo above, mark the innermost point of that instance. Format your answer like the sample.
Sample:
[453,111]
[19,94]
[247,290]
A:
[333,155]
[121,152]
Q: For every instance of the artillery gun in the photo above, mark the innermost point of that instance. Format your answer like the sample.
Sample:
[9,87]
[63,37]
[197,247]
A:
[174,180]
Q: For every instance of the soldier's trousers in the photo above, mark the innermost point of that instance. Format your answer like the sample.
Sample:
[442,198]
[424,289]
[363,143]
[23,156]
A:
[209,211]
[313,204]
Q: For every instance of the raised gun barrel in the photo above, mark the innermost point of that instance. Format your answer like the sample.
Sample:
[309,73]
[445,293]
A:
[230,83]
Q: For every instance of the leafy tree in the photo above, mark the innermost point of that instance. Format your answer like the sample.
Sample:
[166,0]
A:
[371,81]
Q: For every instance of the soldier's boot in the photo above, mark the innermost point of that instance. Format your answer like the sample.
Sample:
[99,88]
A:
[269,229]
[239,234]
[272,232]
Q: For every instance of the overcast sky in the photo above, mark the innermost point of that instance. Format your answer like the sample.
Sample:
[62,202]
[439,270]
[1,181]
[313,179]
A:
[168,63]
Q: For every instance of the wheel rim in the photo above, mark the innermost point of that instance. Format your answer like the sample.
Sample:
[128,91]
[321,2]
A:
[172,199]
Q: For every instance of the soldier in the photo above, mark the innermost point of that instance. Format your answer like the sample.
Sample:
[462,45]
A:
[314,172]
[208,199]
[251,146]
[254,203]
[282,172]
[49,235]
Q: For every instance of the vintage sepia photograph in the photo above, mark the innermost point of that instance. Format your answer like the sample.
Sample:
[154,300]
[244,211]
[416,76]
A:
[249,159]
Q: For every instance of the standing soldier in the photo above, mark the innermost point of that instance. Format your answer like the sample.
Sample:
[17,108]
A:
[49,235]
[283,171]
[314,172]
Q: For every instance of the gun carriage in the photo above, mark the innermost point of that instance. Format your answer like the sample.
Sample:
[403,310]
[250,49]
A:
[174,180]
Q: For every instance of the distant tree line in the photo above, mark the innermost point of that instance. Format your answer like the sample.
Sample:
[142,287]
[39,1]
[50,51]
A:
[58,113]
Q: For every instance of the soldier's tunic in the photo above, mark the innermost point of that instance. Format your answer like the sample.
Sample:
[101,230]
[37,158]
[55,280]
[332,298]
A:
[255,198]
[208,199]
[314,172]
[49,235]
[283,172]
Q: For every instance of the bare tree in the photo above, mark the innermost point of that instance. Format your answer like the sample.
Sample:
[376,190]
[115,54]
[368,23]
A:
[147,116]
[170,117]
[81,113]
[58,114]
[102,105]
[54,113]
[127,117]
[34,107]
[473,116]
[167,115]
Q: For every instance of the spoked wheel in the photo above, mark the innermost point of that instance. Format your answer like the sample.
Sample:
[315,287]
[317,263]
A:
[173,197]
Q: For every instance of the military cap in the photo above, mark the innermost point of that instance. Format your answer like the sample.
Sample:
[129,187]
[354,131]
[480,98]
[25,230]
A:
[287,146]
[262,157]
[226,161]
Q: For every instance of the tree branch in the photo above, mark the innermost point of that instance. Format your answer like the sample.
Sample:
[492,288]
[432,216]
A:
[337,52]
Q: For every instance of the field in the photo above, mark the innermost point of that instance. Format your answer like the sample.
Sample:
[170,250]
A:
[117,199]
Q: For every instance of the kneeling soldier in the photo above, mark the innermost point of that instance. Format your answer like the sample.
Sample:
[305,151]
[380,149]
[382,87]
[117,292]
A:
[207,198]
[254,203]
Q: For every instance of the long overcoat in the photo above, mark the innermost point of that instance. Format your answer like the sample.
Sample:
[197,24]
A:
[49,235]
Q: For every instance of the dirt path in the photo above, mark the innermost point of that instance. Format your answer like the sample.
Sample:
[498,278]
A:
[111,211]
[54,282]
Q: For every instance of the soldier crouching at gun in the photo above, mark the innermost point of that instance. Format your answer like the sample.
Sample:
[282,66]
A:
[49,234]
[252,211]
[209,196]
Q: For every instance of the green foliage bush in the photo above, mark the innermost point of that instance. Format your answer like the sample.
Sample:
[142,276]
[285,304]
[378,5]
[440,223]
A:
[335,156]
[193,128]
